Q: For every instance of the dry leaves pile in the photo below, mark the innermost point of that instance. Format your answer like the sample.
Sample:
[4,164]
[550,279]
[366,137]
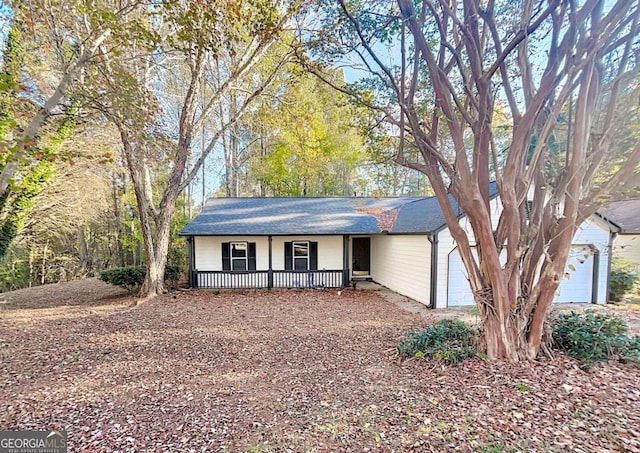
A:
[288,371]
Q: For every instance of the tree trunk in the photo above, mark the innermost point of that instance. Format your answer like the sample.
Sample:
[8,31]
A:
[27,135]
[43,268]
[157,259]
[118,222]
[231,147]
[235,146]
[155,240]
[500,343]
[83,251]
[31,269]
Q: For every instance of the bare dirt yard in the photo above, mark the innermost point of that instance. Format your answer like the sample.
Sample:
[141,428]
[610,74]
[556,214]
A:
[283,371]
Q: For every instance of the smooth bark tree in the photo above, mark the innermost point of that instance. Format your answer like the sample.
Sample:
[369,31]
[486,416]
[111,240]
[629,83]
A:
[551,73]
[210,50]
[60,40]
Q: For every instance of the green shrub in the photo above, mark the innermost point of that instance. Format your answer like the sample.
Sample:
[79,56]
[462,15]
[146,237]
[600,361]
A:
[128,277]
[172,275]
[593,337]
[449,341]
[623,278]
[132,277]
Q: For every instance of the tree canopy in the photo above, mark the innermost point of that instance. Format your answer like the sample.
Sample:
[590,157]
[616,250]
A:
[536,96]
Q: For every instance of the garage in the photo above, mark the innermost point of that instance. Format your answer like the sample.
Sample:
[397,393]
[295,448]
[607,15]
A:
[458,288]
[576,286]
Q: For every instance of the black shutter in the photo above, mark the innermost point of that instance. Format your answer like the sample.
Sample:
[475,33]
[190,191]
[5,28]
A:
[288,256]
[226,257]
[313,256]
[252,256]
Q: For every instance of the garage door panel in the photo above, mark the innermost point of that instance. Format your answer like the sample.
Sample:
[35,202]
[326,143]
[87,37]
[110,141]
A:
[577,284]
[458,287]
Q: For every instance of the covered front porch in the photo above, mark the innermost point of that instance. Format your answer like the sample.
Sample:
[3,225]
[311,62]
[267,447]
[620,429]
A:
[253,262]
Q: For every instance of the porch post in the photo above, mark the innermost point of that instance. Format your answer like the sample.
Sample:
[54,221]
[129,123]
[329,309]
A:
[345,260]
[270,271]
[191,260]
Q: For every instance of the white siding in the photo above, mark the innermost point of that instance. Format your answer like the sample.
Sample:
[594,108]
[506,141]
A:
[627,246]
[208,251]
[329,251]
[403,264]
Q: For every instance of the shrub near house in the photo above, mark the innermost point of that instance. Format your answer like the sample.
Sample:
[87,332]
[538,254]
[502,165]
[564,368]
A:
[624,278]
[132,277]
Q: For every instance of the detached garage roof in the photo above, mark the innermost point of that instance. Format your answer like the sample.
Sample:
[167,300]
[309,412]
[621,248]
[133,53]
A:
[316,215]
[625,214]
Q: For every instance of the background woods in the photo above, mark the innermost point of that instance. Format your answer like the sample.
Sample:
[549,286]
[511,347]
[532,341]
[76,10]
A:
[118,120]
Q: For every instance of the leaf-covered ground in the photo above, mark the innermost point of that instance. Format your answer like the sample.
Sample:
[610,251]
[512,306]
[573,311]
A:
[286,371]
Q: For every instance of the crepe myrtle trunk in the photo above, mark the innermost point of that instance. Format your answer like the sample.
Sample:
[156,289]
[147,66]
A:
[513,308]
[509,330]
[472,96]
[513,311]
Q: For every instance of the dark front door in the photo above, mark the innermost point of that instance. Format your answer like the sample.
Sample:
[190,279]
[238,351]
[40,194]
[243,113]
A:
[361,256]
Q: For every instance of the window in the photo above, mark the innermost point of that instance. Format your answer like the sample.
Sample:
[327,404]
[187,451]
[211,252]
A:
[301,256]
[239,256]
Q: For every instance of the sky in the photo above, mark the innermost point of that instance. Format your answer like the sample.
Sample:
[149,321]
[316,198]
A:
[5,16]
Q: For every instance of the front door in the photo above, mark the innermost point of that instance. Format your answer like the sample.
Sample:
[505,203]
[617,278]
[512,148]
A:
[361,258]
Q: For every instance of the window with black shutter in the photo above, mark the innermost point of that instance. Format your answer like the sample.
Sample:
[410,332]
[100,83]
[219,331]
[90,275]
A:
[239,256]
[301,255]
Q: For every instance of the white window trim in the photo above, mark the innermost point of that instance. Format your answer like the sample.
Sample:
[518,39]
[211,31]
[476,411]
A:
[238,258]
[294,257]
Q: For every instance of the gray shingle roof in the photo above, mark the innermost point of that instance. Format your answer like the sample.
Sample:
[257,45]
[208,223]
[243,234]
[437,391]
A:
[625,214]
[314,215]
[318,215]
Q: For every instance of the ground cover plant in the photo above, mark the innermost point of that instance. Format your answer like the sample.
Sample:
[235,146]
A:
[450,341]
[284,371]
[592,337]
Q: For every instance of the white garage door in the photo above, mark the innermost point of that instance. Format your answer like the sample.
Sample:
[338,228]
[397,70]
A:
[577,284]
[458,288]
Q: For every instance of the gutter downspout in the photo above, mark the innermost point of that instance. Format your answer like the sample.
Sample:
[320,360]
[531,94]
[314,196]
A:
[596,276]
[433,293]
